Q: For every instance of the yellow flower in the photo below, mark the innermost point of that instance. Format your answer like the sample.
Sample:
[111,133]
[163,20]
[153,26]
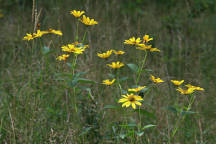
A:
[63,57]
[28,37]
[118,52]
[87,21]
[105,55]
[57,32]
[146,39]
[39,33]
[195,87]
[116,65]
[137,89]
[130,99]
[156,80]
[132,41]
[177,83]
[144,47]
[187,91]
[154,50]
[77,49]
[108,82]
[77,14]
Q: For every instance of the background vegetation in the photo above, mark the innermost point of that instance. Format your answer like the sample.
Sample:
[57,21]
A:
[34,103]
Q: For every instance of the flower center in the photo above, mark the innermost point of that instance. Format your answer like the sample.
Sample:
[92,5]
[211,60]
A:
[131,99]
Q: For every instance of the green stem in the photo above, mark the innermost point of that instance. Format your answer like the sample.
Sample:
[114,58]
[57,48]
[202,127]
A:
[180,120]
[74,89]
[140,68]
[84,36]
[77,31]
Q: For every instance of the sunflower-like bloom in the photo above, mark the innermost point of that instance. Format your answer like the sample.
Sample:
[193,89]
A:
[195,87]
[154,50]
[144,47]
[28,37]
[130,99]
[156,80]
[177,83]
[77,14]
[133,41]
[63,57]
[137,89]
[108,82]
[147,47]
[40,33]
[87,21]
[118,52]
[116,65]
[57,32]
[146,39]
[187,91]
[76,48]
[105,55]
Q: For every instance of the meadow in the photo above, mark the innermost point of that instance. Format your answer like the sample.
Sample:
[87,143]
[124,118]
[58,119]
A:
[107,72]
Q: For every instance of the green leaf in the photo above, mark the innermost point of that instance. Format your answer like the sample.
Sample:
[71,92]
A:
[111,107]
[85,131]
[133,67]
[172,109]
[123,79]
[122,136]
[146,113]
[79,74]
[69,64]
[83,80]
[129,125]
[188,112]
[69,75]
[148,126]
[139,133]
[46,50]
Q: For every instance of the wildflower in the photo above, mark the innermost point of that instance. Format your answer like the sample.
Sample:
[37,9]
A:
[132,41]
[108,82]
[195,87]
[144,47]
[177,83]
[77,49]
[77,14]
[63,57]
[156,80]
[105,55]
[137,89]
[116,65]
[57,32]
[154,50]
[130,99]
[187,91]
[87,21]
[118,52]
[28,37]
[146,39]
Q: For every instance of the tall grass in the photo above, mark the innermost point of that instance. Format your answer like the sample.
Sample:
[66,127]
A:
[37,105]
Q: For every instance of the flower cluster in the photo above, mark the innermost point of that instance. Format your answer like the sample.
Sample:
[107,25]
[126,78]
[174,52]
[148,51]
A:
[40,33]
[76,48]
[85,20]
[142,44]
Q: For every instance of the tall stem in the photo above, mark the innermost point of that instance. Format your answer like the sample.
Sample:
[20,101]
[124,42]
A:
[84,36]
[140,68]
[180,120]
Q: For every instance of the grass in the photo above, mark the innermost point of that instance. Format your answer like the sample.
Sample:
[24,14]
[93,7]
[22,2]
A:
[37,105]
